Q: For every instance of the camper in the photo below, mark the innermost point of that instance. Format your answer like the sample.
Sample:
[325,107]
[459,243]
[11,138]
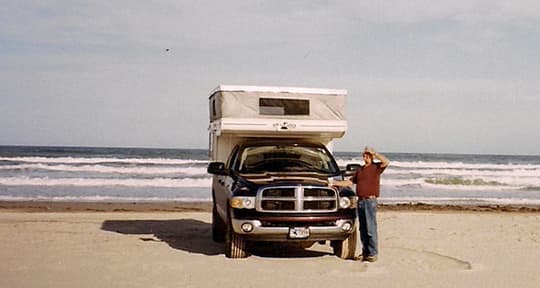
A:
[270,151]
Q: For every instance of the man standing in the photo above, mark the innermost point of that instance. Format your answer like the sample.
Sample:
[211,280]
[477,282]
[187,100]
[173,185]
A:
[367,180]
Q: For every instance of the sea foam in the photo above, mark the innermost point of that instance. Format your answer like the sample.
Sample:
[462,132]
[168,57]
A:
[96,182]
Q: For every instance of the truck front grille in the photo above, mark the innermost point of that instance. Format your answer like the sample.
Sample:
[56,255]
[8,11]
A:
[295,199]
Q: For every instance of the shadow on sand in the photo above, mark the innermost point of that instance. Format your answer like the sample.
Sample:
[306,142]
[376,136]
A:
[195,236]
[190,235]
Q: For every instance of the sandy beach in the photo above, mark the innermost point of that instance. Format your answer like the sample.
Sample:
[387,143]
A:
[80,245]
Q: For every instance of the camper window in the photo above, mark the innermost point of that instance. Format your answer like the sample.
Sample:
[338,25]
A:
[276,106]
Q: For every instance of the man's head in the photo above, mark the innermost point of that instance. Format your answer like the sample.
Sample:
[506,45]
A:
[368,157]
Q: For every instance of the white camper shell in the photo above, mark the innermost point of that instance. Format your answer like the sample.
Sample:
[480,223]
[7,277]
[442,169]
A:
[239,113]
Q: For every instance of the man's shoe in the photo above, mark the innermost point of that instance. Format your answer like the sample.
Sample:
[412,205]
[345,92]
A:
[370,258]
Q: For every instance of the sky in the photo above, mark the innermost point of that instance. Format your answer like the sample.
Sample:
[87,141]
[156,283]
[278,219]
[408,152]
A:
[459,76]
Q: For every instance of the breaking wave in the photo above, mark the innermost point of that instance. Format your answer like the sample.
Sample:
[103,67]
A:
[96,182]
[422,165]
[146,175]
[143,170]
[459,175]
[461,181]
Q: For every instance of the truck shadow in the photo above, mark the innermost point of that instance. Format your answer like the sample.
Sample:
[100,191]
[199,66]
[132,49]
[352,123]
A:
[189,235]
[195,236]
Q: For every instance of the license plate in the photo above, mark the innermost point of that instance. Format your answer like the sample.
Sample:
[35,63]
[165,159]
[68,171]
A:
[298,232]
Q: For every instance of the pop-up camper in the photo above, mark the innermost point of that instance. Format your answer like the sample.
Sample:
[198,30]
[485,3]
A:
[240,112]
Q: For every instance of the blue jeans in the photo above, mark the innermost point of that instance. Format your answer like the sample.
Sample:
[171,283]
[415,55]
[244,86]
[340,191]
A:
[367,216]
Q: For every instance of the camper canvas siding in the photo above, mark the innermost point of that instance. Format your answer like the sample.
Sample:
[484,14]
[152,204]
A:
[235,102]
[279,112]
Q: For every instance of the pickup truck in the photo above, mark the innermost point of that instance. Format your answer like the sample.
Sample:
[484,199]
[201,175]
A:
[278,191]
[272,169]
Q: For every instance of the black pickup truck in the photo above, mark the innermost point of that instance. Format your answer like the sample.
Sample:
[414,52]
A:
[278,190]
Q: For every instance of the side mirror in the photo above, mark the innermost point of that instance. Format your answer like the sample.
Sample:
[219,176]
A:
[350,169]
[217,168]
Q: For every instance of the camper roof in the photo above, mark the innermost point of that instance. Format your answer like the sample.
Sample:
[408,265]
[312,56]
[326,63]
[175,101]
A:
[274,89]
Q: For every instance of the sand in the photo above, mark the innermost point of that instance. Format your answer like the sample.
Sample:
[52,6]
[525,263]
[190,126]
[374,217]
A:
[173,248]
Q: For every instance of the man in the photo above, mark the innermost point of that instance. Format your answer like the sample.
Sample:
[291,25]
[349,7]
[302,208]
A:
[367,180]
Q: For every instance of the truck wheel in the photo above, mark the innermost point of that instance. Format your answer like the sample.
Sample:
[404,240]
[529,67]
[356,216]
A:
[345,249]
[218,226]
[235,245]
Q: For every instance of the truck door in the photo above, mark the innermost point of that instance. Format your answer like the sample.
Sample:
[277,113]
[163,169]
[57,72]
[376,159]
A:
[223,185]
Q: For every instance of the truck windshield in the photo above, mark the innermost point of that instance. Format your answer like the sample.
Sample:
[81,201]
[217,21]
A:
[288,158]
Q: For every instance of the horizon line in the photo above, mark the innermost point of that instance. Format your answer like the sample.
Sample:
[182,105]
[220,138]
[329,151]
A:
[179,148]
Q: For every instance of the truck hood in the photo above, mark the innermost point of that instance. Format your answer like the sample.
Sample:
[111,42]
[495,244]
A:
[298,178]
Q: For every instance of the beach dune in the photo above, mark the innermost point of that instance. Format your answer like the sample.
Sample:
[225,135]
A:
[174,249]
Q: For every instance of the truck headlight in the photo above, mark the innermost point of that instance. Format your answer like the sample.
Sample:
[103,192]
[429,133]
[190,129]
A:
[243,202]
[347,226]
[347,202]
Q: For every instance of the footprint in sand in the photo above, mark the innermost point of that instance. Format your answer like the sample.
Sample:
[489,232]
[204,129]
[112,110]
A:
[419,260]
[393,259]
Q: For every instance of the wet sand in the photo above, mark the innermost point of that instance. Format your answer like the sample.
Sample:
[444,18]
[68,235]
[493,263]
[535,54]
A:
[156,245]
[171,206]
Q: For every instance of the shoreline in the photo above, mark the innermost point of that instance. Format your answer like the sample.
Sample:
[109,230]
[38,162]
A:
[206,206]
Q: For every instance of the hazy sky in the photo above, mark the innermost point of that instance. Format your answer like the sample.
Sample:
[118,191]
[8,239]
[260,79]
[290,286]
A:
[459,76]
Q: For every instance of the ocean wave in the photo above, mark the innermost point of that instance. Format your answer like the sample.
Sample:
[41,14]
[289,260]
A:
[461,181]
[459,200]
[465,172]
[417,165]
[96,182]
[453,184]
[504,181]
[191,170]
[462,165]
[110,169]
[531,188]
[98,160]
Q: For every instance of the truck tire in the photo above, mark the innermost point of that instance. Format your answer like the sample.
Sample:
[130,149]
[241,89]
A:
[345,249]
[235,245]
[218,226]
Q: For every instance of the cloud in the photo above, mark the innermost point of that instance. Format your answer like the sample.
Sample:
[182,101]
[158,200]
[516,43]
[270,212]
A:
[407,12]
[421,11]
[519,8]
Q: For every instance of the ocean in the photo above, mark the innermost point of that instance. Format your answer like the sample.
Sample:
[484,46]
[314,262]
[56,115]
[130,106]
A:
[139,174]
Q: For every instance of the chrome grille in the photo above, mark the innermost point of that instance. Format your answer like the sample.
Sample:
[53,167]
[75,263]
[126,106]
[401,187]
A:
[295,199]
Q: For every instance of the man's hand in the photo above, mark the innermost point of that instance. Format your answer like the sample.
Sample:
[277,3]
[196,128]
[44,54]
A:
[370,150]
[340,183]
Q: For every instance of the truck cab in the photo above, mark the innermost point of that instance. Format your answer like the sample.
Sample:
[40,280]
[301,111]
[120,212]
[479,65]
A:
[272,163]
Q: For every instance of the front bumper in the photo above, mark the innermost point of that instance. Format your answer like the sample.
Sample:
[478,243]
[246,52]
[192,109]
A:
[338,231]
